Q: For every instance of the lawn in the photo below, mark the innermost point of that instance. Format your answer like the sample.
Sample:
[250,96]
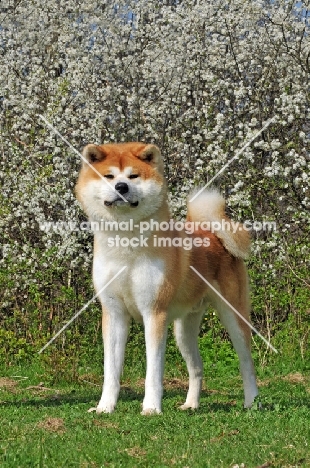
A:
[45,423]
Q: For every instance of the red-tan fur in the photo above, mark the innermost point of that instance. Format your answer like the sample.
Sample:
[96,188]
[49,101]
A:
[181,295]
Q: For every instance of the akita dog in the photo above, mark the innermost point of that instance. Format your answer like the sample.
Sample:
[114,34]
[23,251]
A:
[125,182]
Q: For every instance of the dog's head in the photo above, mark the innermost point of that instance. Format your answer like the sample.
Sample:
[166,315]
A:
[120,181]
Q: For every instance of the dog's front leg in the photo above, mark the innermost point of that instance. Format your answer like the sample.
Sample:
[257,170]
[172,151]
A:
[155,325]
[115,324]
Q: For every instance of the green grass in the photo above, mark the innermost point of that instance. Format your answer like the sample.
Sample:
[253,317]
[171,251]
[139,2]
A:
[46,424]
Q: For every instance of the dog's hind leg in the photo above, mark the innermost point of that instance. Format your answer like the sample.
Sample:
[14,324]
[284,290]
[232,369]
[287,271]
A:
[186,331]
[235,290]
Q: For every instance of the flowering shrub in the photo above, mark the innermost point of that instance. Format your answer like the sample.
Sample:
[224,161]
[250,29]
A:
[199,79]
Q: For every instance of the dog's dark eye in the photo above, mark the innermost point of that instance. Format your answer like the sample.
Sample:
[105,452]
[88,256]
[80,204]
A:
[109,176]
[133,176]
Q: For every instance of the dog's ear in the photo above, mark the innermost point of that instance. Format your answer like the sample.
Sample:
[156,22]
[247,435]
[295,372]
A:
[93,153]
[151,155]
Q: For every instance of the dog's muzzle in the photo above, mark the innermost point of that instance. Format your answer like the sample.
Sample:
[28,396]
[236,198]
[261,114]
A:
[122,189]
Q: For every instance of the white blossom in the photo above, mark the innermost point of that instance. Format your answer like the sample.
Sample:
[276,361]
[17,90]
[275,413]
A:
[197,83]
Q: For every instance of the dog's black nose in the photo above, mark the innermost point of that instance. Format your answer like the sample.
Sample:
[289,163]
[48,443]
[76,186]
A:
[121,187]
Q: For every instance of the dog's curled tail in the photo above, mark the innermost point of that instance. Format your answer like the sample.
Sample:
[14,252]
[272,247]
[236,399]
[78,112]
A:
[208,207]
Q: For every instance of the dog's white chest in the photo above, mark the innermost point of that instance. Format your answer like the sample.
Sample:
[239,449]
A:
[137,287]
[147,279]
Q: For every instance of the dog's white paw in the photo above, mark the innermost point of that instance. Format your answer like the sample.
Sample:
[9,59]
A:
[102,409]
[253,403]
[150,411]
[187,406]
[91,410]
